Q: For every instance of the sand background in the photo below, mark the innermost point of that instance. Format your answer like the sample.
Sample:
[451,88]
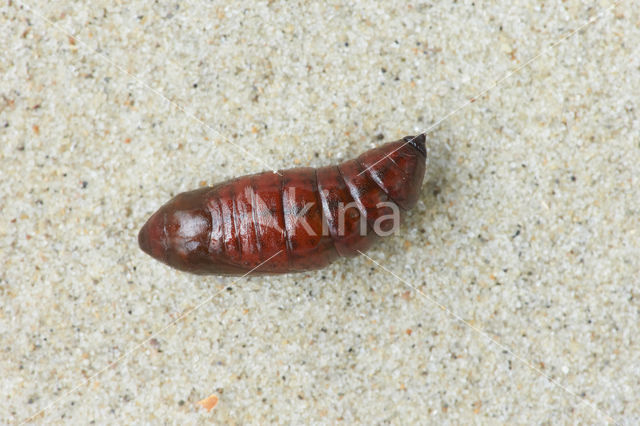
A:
[523,252]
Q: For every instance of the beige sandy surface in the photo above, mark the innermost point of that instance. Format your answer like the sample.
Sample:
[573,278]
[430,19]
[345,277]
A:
[511,294]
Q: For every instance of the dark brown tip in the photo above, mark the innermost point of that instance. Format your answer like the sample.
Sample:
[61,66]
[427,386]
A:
[418,142]
[151,237]
[143,239]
